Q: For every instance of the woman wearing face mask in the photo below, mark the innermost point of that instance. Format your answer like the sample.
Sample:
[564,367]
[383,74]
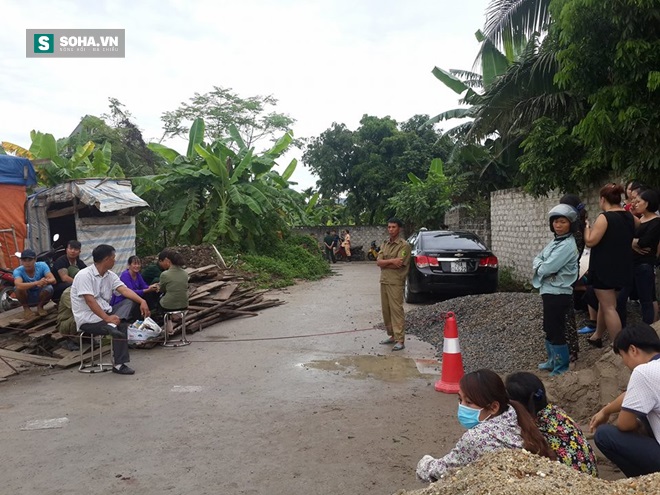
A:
[493,423]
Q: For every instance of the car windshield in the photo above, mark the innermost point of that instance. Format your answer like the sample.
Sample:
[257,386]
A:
[452,241]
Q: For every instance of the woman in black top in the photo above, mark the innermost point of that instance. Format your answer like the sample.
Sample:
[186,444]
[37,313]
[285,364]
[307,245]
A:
[645,245]
[611,259]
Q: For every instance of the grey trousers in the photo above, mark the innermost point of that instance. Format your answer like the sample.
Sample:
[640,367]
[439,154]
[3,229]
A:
[119,332]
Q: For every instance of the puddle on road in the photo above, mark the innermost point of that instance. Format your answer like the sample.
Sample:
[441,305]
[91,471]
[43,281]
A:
[386,368]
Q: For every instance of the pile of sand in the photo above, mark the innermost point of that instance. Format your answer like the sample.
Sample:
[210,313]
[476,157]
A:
[513,472]
[584,391]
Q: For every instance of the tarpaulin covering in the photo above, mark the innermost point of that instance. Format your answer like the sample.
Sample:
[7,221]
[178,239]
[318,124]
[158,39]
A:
[15,174]
[13,230]
[104,194]
[17,171]
[120,236]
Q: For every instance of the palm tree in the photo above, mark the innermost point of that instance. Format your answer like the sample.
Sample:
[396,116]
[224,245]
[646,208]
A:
[515,20]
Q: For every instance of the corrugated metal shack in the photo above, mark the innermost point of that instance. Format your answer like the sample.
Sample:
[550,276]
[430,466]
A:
[93,211]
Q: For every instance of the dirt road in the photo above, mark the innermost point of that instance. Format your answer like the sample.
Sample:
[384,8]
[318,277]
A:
[323,414]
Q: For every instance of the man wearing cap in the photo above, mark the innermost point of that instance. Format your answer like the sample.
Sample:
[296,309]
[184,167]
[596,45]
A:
[33,281]
[66,267]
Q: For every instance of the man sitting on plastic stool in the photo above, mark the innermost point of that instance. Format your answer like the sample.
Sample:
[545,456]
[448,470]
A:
[91,292]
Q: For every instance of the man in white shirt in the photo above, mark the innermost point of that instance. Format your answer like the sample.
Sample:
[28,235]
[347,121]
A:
[634,443]
[91,292]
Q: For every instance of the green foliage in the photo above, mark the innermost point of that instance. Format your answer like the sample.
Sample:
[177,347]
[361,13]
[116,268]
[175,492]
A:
[507,281]
[551,152]
[58,161]
[297,257]
[222,109]
[423,203]
[609,54]
[369,165]
[216,193]
[129,150]
[515,21]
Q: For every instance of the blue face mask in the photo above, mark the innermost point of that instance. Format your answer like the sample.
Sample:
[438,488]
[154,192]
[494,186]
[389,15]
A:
[468,417]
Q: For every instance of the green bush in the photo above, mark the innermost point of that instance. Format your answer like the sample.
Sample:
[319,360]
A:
[297,257]
[507,282]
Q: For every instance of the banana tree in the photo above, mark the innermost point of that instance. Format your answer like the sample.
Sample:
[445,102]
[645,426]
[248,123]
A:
[216,192]
[53,166]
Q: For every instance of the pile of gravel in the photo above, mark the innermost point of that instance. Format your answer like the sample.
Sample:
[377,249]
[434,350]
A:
[501,331]
[517,472]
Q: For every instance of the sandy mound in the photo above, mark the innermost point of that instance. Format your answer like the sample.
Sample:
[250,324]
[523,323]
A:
[512,472]
[584,391]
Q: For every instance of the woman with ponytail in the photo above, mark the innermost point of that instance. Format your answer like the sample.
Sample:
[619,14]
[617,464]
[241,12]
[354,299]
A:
[493,423]
[562,433]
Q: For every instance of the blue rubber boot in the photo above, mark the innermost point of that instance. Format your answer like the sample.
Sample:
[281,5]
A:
[549,365]
[562,359]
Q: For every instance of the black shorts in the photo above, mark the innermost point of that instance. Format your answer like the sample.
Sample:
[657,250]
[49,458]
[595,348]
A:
[598,283]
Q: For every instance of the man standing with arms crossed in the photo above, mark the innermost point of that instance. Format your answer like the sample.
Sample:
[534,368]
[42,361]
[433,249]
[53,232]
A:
[393,261]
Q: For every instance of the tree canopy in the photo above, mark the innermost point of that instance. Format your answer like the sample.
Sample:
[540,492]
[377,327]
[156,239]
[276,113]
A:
[370,165]
[579,103]
[221,108]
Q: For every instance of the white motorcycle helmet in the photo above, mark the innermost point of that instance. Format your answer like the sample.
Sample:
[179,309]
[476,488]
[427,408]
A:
[566,211]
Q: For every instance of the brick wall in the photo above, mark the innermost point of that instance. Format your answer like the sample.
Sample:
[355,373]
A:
[458,219]
[520,228]
[361,235]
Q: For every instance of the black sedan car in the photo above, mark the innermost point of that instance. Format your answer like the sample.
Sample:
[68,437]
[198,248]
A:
[449,263]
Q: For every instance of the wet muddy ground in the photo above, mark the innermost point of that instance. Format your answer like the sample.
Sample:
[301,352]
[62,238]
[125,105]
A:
[299,400]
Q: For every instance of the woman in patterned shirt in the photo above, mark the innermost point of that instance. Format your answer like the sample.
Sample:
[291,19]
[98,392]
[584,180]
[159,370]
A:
[562,433]
[493,423]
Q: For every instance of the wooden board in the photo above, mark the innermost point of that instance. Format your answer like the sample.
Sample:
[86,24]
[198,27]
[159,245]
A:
[41,330]
[208,287]
[19,356]
[198,296]
[196,271]
[225,292]
[74,358]
[66,354]
[15,345]
[7,316]
[5,370]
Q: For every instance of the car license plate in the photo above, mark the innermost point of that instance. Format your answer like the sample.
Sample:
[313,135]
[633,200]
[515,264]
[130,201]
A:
[458,267]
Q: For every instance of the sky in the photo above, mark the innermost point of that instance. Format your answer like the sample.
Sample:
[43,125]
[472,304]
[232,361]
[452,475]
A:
[325,61]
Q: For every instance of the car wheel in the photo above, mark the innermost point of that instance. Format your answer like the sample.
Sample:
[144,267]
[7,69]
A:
[408,296]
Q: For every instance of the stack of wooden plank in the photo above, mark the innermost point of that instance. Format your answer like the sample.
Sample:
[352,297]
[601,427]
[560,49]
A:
[215,295]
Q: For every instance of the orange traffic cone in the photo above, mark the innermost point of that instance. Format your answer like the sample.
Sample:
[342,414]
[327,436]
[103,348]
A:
[452,361]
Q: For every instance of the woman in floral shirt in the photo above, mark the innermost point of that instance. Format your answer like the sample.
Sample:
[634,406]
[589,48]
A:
[562,433]
[493,422]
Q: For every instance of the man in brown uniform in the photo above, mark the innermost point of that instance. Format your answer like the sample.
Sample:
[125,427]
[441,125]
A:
[393,260]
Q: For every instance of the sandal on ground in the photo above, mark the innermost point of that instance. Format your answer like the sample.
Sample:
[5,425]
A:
[586,330]
[598,343]
[398,347]
[387,341]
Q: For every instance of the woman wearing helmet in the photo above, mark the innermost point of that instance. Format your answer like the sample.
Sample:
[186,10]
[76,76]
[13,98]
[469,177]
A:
[555,272]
